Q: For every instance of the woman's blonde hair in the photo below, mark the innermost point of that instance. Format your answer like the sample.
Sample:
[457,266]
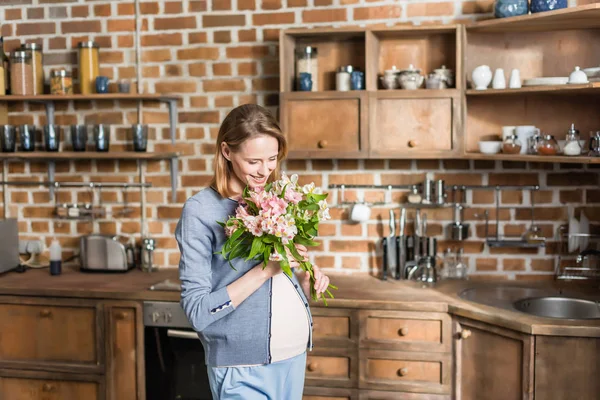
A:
[243,123]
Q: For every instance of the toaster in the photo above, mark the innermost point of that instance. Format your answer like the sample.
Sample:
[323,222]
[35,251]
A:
[105,253]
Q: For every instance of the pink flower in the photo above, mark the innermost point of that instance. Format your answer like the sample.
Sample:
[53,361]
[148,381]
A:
[273,205]
[293,196]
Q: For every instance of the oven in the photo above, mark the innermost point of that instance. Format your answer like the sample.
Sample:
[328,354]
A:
[174,356]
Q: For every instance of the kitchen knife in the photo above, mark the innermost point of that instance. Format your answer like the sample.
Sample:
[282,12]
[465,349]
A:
[401,246]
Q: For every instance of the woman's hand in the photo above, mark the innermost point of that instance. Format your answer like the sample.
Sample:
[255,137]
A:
[321,282]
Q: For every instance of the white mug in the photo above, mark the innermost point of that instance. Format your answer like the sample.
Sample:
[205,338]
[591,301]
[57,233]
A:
[360,212]
[524,132]
[507,131]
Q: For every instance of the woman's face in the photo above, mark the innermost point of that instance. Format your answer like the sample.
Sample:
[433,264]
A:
[253,163]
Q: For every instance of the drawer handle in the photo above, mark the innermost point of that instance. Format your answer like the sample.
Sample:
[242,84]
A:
[412,143]
[46,387]
[121,315]
[403,331]
[322,144]
[465,334]
[402,371]
[312,367]
[45,313]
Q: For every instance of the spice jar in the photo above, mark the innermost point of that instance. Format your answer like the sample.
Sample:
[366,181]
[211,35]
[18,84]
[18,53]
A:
[572,143]
[511,145]
[342,78]
[306,61]
[89,67]
[61,82]
[548,146]
[21,73]
[38,66]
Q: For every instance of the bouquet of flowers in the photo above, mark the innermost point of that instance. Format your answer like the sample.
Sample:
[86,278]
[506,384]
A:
[271,221]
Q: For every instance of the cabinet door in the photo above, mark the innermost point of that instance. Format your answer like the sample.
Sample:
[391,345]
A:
[28,385]
[124,354]
[325,125]
[405,127]
[492,363]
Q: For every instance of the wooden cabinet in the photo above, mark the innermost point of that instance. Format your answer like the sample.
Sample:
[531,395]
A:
[332,367]
[492,363]
[312,393]
[72,348]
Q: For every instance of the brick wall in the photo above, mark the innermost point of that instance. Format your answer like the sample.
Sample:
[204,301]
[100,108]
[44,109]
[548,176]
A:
[219,54]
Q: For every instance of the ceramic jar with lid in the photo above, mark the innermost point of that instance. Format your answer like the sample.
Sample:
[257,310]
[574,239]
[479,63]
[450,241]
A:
[548,146]
[578,77]
[21,73]
[38,65]
[389,80]
[342,78]
[410,78]
[445,75]
[89,66]
[511,145]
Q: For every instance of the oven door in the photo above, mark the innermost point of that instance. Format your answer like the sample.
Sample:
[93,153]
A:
[175,366]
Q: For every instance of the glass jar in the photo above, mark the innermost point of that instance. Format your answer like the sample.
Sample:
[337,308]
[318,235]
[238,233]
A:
[306,61]
[594,146]
[342,78]
[61,82]
[572,143]
[511,145]
[37,57]
[547,146]
[89,67]
[21,73]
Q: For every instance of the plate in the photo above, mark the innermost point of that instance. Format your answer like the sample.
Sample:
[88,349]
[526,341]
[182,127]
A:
[592,72]
[584,228]
[573,230]
[546,81]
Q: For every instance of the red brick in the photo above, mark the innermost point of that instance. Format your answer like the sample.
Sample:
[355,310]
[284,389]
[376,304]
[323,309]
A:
[486,264]
[224,101]
[332,15]
[224,85]
[265,84]
[571,196]
[111,57]
[174,7]
[37,28]
[271,4]
[197,6]
[460,179]
[57,43]
[430,9]
[513,264]
[323,3]
[207,117]
[222,69]
[478,7]
[351,245]
[247,52]
[572,179]
[546,265]
[13,13]
[80,11]
[247,68]
[197,37]
[248,35]
[120,25]
[175,23]
[149,8]
[222,37]
[220,20]
[514,179]
[81,26]
[379,12]
[156,55]
[197,69]
[102,10]
[246,5]
[198,53]
[271,35]
[125,41]
[126,9]
[273,18]
[221,5]
[176,87]
[297,3]
[35,13]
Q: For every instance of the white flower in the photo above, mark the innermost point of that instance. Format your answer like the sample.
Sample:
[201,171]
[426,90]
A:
[309,188]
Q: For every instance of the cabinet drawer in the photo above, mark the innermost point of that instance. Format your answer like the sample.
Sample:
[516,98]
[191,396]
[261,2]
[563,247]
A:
[414,331]
[47,389]
[335,327]
[319,393]
[332,368]
[324,127]
[413,372]
[378,395]
[57,334]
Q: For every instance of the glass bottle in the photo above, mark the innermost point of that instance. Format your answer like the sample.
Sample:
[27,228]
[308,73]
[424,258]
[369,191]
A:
[572,143]
[89,67]
[4,69]
[511,145]
[548,146]
[21,73]
[61,82]
[307,62]
[38,65]
[460,268]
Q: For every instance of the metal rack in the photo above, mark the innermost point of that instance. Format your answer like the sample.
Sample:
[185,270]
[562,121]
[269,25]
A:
[580,266]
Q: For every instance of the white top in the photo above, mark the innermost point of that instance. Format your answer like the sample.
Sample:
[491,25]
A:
[289,322]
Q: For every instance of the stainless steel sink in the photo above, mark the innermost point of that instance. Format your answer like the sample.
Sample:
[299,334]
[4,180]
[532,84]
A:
[559,307]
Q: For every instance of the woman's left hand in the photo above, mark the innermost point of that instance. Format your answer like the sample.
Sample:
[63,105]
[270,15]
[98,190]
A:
[321,282]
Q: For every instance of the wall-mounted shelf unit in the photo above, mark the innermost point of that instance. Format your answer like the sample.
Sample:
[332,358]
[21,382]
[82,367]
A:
[444,124]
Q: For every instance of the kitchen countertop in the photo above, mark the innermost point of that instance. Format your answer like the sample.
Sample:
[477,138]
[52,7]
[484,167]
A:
[356,291]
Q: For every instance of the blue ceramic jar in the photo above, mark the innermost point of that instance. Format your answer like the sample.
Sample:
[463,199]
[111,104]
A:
[510,8]
[547,5]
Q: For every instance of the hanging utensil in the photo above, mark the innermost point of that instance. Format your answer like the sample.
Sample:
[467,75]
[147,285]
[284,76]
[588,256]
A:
[401,246]
[391,242]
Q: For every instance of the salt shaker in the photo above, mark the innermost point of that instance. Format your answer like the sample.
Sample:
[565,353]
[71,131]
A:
[342,78]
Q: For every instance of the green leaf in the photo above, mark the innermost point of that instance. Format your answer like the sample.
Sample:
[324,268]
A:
[318,197]
[221,223]
[257,248]
[292,248]
[312,207]
[305,241]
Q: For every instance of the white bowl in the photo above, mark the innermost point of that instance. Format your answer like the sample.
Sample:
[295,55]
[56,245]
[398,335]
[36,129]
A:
[592,72]
[490,147]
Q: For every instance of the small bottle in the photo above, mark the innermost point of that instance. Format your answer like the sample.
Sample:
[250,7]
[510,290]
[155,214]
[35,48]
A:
[55,258]
[572,144]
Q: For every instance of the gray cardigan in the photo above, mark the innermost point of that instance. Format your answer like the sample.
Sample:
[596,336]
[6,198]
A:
[230,335]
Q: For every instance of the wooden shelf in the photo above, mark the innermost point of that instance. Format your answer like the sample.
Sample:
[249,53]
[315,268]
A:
[399,94]
[90,97]
[87,155]
[588,88]
[533,158]
[582,17]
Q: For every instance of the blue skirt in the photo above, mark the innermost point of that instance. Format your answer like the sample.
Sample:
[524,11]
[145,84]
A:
[276,381]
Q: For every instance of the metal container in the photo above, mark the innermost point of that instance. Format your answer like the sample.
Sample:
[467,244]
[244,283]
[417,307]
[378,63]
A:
[147,255]
[458,229]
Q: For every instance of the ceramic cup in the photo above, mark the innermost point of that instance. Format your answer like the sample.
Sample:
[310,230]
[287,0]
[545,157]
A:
[27,137]
[140,137]
[102,84]
[357,79]
[305,82]
[52,137]
[507,131]
[79,137]
[9,138]
[360,212]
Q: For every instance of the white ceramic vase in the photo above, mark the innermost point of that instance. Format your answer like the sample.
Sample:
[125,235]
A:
[514,81]
[499,81]
[482,76]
